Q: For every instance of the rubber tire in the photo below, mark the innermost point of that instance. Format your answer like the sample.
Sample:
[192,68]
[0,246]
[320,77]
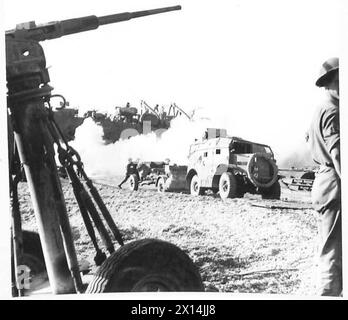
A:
[272,192]
[228,186]
[32,255]
[161,185]
[147,265]
[196,190]
[133,182]
[270,162]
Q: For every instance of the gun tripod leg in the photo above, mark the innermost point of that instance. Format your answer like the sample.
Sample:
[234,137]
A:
[17,237]
[32,154]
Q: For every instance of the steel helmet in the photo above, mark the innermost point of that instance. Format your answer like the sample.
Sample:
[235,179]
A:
[328,68]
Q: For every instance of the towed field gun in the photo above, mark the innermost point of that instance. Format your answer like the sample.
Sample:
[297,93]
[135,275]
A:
[300,179]
[162,174]
[143,265]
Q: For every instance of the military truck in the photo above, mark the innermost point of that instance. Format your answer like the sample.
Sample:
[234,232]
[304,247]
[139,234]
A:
[231,166]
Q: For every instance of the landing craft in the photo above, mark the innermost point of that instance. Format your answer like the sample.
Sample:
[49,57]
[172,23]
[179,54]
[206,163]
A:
[124,123]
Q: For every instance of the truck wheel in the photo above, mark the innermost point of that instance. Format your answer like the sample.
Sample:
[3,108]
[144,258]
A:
[195,188]
[161,185]
[133,182]
[147,265]
[33,258]
[273,192]
[228,185]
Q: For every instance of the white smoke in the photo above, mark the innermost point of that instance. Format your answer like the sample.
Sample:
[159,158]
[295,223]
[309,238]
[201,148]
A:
[110,160]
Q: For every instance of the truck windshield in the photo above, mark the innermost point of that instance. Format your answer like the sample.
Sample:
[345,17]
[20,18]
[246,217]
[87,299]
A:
[244,147]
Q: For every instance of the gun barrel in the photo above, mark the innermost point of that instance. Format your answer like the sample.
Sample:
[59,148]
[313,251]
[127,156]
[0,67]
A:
[92,22]
[130,15]
[53,30]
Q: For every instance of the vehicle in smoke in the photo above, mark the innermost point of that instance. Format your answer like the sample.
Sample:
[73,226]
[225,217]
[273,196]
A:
[126,121]
[232,166]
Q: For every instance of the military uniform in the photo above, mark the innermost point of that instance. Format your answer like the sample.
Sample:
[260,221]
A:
[130,169]
[324,135]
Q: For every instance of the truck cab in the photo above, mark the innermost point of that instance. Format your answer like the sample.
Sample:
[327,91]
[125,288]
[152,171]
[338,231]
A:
[231,166]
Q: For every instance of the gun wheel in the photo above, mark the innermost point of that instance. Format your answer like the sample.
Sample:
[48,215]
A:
[161,185]
[134,182]
[147,265]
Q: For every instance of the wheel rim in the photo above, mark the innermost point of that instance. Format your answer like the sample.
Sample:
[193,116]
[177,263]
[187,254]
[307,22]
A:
[194,185]
[161,186]
[225,186]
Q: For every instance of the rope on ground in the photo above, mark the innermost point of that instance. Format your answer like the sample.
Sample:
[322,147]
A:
[282,207]
[104,184]
[269,271]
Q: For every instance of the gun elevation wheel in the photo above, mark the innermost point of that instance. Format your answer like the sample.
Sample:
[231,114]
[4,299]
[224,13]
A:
[147,265]
[133,182]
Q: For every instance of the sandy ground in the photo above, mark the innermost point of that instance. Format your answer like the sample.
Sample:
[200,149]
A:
[246,245]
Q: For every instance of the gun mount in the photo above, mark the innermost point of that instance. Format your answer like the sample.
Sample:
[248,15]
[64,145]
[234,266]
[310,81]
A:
[34,134]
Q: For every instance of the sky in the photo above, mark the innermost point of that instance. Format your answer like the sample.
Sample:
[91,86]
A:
[248,65]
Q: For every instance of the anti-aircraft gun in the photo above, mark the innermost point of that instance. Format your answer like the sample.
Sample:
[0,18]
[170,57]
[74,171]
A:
[144,265]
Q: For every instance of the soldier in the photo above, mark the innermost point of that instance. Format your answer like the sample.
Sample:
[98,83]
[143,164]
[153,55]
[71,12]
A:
[130,169]
[324,141]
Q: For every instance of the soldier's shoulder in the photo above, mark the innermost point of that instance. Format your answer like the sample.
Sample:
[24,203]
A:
[327,107]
